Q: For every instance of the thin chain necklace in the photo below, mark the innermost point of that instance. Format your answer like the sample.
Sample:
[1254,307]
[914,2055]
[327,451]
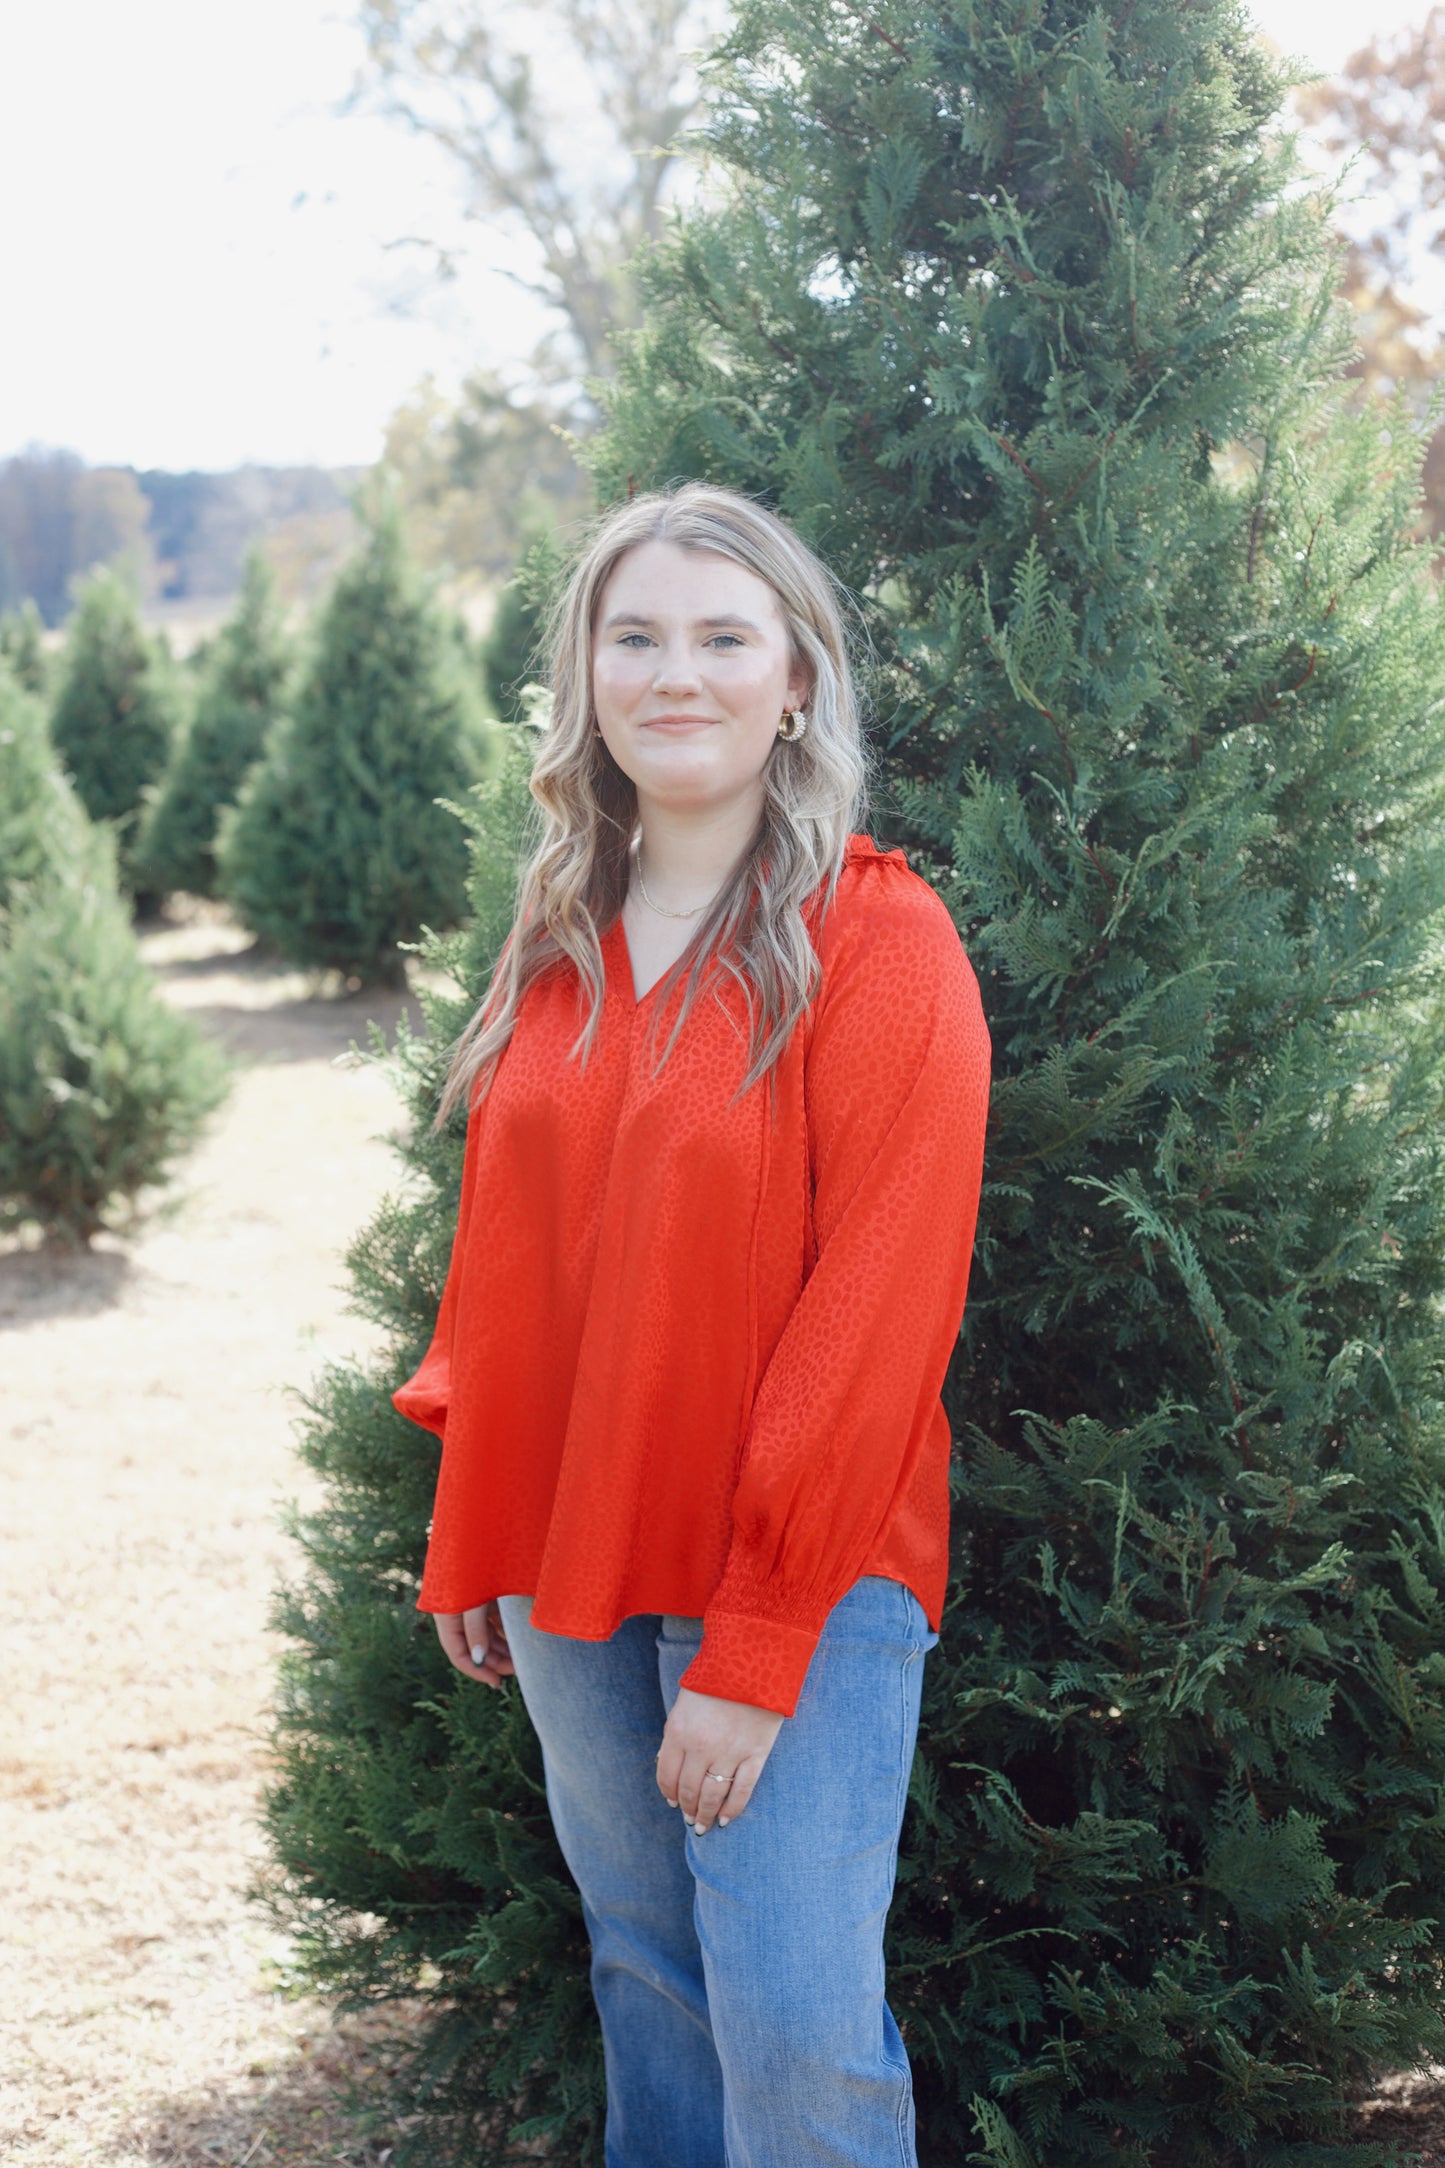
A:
[660,909]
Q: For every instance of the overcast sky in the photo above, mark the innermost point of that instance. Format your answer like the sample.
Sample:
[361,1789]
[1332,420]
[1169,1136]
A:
[194,257]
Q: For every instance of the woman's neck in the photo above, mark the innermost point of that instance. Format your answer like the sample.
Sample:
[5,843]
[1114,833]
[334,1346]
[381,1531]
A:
[688,852]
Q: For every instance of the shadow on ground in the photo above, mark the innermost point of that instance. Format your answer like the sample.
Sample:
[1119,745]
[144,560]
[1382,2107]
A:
[38,1280]
[260,1008]
[303,2111]
[311,1029]
[1408,2112]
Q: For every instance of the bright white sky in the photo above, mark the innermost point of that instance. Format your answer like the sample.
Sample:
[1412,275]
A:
[194,253]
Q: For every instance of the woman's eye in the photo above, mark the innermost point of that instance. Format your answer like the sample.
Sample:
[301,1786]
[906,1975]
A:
[629,637]
[730,637]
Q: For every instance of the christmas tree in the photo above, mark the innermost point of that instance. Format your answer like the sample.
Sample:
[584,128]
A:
[117,708]
[243,681]
[1026,321]
[42,824]
[101,1085]
[22,647]
[512,655]
[338,850]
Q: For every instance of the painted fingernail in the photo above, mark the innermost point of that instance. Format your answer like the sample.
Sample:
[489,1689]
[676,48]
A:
[688,1821]
[479,1657]
[722,1821]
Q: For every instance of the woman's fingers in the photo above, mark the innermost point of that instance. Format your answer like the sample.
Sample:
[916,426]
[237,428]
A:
[740,1791]
[700,1795]
[712,1796]
[501,1647]
[705,1799]
[477,1633]
[669,1769]
[711,1757]
[475,1643]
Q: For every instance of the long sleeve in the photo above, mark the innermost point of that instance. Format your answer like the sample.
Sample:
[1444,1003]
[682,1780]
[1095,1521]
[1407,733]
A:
[896,1082]
[425,1396]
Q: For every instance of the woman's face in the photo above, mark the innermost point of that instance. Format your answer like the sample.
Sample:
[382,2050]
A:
[691,672]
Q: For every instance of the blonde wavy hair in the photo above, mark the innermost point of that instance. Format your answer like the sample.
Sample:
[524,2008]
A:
[815,794]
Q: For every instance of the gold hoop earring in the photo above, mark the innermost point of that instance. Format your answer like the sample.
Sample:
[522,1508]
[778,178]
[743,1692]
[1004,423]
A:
[793,726]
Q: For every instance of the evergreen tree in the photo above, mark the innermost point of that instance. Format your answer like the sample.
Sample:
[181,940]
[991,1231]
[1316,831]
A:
[1021,316]
[22,647]
[117,707]
[101,1085]
[242,683]
[510,653]
[41,821]
[337,850]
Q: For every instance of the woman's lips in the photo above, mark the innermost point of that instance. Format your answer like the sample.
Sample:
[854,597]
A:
[679,725]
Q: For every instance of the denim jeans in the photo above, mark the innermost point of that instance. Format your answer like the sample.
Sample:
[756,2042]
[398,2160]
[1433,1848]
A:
[738,1976]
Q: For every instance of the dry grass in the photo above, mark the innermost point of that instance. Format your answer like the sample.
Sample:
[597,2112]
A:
[147,1446]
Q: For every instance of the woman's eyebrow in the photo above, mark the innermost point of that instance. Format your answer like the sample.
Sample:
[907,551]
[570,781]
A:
[649,624]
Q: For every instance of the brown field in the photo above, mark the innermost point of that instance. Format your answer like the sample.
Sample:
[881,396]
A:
[144,2018]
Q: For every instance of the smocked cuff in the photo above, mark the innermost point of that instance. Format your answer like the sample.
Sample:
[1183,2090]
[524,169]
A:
[423,1404]
[756,1660]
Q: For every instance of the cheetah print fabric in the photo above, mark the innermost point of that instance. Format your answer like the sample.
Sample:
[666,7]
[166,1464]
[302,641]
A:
[688,1357]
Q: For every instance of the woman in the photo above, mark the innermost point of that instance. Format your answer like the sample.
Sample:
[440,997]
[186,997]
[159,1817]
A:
[727,1096]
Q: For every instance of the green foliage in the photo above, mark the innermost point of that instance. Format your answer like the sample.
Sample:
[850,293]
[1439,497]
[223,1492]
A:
[243,682]
[101,1085]
[116,708]
[41,822]
[338,850]
[1020,316]
[22,647]
[511,649]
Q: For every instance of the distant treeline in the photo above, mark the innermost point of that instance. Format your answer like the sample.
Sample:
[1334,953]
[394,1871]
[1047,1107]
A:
[178,535]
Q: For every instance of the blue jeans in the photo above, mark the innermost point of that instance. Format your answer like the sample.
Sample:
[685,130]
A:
[739,1976]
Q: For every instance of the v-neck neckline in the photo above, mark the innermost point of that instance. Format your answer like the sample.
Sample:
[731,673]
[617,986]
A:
[629,976]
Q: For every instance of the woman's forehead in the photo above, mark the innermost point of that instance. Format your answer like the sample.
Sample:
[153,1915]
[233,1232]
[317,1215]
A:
[658,578]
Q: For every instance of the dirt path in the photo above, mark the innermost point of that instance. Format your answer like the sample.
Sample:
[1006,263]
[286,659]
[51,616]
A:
[147,1443]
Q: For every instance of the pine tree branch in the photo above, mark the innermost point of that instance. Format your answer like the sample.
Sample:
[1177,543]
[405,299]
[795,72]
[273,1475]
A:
[878,32]
[1026,470]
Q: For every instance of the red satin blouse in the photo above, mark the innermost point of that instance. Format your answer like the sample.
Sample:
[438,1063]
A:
[688,1356]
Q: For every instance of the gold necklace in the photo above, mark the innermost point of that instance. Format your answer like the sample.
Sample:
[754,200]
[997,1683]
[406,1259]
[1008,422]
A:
[661,909]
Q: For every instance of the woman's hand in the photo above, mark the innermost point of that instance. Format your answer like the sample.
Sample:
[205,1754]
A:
[706,1738]
[476,1643]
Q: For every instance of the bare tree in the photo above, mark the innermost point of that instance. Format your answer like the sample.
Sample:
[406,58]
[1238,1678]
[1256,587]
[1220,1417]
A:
[564,117]
[1388,104]
[1386,110]
[59,519]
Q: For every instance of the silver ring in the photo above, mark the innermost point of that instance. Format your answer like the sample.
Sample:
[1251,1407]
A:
[717,1779]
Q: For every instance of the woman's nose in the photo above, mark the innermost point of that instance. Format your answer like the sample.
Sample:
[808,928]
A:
[676,672]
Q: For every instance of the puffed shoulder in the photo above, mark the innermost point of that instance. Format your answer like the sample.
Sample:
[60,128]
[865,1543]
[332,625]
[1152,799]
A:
[881,906]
